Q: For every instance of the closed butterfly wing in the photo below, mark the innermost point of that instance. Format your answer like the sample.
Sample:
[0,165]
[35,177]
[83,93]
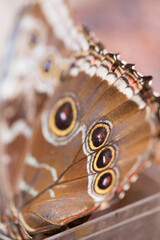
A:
[95,134]
[81,141]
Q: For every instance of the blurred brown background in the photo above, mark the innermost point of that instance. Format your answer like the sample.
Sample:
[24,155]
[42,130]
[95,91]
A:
[129,27]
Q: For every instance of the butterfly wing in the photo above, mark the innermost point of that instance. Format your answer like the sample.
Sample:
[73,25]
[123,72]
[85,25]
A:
[86,137]
[95,134]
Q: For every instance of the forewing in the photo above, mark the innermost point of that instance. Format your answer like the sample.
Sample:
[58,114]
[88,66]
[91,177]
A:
[42,44]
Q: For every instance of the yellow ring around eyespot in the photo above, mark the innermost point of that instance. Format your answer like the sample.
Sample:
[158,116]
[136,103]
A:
[104,191]
[97,156]
[51,71]
[91,132]
[52,124]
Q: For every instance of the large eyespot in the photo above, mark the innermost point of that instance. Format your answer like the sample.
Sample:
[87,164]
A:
[63,117]
[98,135]
[104,158]
[47,67]
[105,181]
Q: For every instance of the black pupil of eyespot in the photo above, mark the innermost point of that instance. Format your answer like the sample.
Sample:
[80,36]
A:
[105,181]
[104,158]
[98,136]
[47,65]
[64,116]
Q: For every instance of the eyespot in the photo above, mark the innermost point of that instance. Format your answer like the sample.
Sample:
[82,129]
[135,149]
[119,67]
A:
[104,158]
[98,135]
[105,181]
[33,39]
[47,67]
[63,117]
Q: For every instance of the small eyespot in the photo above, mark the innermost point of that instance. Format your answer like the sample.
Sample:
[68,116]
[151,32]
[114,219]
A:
[105,181]
[47,67]
[63,117]
[33,39]
[104,158]
[98,135]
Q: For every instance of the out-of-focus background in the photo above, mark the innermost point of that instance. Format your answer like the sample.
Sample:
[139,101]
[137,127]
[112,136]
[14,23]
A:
[129,27]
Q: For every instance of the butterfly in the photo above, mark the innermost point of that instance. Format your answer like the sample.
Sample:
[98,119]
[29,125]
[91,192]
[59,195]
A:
[78,124]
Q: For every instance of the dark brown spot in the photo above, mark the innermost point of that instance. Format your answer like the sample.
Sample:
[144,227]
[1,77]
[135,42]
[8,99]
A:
[104,158]
[64,116]
[105,181]
[98,136]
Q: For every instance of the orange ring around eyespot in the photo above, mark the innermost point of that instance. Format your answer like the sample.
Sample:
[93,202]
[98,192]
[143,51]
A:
[105,191]
[105,125]
[110,162]
[52,124]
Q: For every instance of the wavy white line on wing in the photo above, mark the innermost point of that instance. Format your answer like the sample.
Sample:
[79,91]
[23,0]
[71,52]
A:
[31,161]
[27,188]
[20,127]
